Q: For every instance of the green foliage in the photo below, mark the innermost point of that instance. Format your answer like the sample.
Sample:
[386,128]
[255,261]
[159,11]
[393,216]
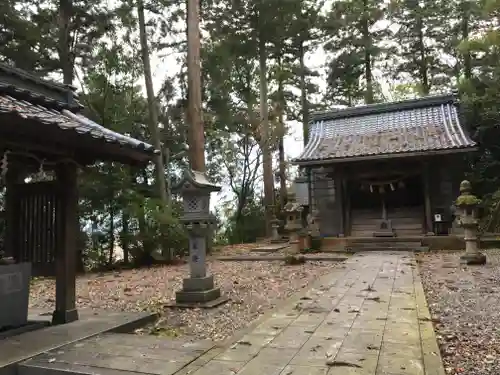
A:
[355,45]
[467,200]
[248,226]
[420,31]
[481,102]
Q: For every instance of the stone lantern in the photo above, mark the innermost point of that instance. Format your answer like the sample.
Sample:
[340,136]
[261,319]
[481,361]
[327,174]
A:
[313,223]
[275,224]
[301,188]
[467,210]
[293,225]
[199,288]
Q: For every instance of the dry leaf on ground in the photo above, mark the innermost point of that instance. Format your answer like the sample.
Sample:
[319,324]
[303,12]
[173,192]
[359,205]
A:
[254,287]
[465,305]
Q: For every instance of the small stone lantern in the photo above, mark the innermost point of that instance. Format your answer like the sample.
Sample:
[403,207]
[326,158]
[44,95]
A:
[293,226]
[199,288]
[275,224]
[467,211]
[313,224]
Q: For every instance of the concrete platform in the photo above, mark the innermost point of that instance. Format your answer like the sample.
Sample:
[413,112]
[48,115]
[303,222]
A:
[29,344]
[369,317]
[116,354]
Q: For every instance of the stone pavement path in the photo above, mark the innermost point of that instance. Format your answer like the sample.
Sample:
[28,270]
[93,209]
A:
[367,317]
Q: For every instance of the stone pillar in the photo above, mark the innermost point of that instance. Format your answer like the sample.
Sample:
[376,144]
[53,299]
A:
[293,211]
[275,236]
[313,224]
[467,209]
[305,239]
[198,290]
[67,242]
[13,177]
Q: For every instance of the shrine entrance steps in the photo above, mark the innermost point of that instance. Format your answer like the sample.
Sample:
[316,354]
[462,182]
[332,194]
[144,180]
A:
[363,244]
[382,244]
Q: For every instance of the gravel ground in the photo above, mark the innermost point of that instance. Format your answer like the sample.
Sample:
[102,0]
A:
[254,288]
[465,304]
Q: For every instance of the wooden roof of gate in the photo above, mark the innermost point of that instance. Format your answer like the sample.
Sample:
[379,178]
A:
[41,112]
[411,127]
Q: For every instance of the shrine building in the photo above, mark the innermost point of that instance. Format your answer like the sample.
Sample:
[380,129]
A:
[387,170]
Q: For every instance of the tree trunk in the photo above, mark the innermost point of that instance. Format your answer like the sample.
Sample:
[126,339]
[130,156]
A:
[153,124]
[195,114]
[65,57]
[303,93]
[423,71]
[152,109]
[144,233]
[281,135]
[125,237]
[267,163]
[369,98]
[465,26]
[111,232]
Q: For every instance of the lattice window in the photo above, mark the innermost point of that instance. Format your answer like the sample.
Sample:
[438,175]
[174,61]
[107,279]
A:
[193,204]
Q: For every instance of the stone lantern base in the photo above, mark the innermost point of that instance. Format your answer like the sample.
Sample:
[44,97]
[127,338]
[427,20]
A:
[198,292]
[475,259]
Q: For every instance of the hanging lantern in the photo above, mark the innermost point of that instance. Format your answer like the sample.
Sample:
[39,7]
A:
[401,184]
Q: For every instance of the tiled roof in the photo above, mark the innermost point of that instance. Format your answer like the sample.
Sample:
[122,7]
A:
[41,107]
[419,125]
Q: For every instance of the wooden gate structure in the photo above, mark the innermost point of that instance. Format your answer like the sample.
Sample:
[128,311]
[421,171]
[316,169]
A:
[42,127]
[35,230]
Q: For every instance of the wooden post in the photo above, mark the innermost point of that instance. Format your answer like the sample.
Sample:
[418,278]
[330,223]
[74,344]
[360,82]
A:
[13,177]
[427,199]
[339,195]
[66,252]
[309,189]
[384,207]
[347,207]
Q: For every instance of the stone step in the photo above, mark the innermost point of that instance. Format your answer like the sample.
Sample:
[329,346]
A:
[391,248]
[387,244]
[371,239]
[117,354]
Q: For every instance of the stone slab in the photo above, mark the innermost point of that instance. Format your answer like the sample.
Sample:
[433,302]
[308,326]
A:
[92,322]
[269,248]
[14,294]
[197,296]
[365,319]
[28,327]
[197,305]
[281,258]
[192,284]
[112,354]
